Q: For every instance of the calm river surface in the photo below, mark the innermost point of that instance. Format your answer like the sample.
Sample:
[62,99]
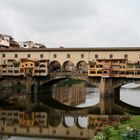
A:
[127,95]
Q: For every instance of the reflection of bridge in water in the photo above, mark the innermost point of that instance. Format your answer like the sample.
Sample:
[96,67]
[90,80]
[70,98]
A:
[50,125]
[109,88]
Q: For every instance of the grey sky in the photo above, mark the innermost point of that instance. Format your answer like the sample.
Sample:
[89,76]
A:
[72,23]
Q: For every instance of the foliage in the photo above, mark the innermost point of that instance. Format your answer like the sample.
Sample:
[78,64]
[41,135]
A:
[116,126]
[104,135]
[117,134]
[107,132]
[99,137]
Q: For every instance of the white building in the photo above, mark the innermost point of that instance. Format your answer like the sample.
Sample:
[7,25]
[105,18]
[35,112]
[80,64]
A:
[30,44]
[5,40]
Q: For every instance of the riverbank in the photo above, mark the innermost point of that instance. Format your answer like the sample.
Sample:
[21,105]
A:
[116,133]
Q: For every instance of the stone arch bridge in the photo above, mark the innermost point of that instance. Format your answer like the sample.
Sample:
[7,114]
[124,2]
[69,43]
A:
[109,88]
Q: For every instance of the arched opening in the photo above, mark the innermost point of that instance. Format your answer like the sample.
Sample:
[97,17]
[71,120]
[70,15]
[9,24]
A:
[82,67]
[68,121]
[68,67]
[129,93]
[55,66]
[82,121]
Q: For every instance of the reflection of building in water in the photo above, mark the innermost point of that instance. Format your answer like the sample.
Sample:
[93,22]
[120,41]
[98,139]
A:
[73,95]
[23,119]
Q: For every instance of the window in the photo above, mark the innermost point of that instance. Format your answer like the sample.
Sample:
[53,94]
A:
[68,55]
[16,71]
[111,56]
[82,55]
[16,55]
[67,132]
[126,56]
[3,55]
[28,55]
[40,130]
[15,129]
[81,133]
[54,131]
[41,55]
[28,130]
[54,56]
[96,55]
[25,45]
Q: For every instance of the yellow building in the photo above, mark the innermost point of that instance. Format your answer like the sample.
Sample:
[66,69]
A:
[27,67]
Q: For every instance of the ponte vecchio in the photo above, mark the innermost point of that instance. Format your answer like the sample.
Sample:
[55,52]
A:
[109,68]
[33,66]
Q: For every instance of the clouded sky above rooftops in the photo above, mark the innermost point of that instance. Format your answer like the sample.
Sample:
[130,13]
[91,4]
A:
[72,23]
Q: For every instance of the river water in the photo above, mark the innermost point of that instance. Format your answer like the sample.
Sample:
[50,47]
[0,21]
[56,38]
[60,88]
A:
[127,95]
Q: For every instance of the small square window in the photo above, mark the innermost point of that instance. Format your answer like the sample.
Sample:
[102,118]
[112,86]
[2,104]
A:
[125,56]
[40,130]
[82,55]
[68,55]
[54,131]
[81,133]
[110,56]
[3,55]
[67,132]
[16,55]
[29,55]
[96,55]
[41,55]
[15,129]
[28,129]
[54,56]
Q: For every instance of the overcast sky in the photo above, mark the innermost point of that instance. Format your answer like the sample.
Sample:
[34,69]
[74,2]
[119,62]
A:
[72,23]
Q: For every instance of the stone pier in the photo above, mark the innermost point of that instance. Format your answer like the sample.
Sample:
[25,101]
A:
[106,95]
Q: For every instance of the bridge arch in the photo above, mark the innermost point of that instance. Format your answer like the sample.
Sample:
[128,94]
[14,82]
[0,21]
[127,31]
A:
[82,121]
[55,66]
[68,121]
[68,66]
[82,67]
[54,118]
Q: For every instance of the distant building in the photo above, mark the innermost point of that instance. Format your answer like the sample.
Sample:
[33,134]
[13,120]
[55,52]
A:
[7,41]
[30,44]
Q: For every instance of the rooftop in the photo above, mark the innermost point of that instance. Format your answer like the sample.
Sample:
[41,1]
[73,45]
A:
[71,49]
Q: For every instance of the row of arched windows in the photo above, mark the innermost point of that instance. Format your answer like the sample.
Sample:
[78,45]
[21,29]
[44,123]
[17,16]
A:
[68,66]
